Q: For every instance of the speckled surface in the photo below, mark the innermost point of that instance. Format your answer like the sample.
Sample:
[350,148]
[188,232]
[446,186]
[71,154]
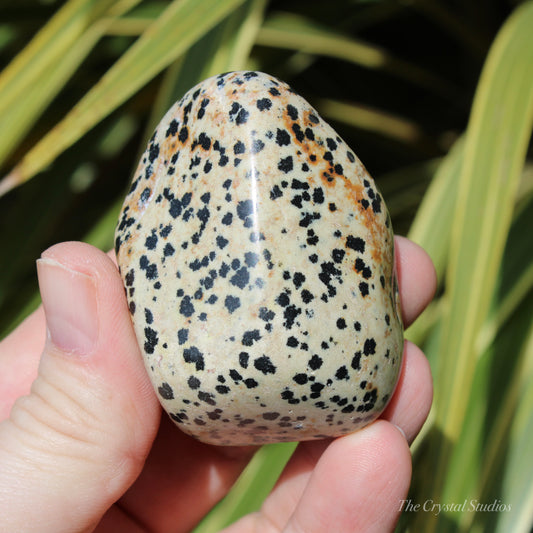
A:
[257,256]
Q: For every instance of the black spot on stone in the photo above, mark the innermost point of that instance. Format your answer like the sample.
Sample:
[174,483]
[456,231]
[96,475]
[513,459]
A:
[130,278]
[168,250]
[251,259]
[151,340]
[257,146]
[145,195]
[250,383]
[206,397]
[186,306]
[363,288]
[241,278]
[179,417]
[265,314]
[224,269]
[183,335]
[270,416]
[360,266]
[227,219]
[232,303]
[153,152]
[342,373]
[172,128]
[249,337]
[282,137]
[275,192]
[283,299]
[222,389]
[290,313]
[308,218]
[337,255]
[315,362]
[292,342]
[165,391]
[148,316]
[369,347]
[264,104]
[307,297]
[341,323]
[318,195]
[355,243]
[184,134]
[298,133]
[242,117]
[292,112]
[332,145]
[299,185]
[221,241]
[193,382]
[285,164]
[243,359]
[298,279]
[244,210]
[239,148]
[301,379]
[234,375]
[204,141]
[195,356]
[265,365]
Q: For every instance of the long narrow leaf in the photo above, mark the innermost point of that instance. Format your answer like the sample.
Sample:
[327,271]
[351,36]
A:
[495,146]
[179,26]
[517,492]
[295,32]
[40,71]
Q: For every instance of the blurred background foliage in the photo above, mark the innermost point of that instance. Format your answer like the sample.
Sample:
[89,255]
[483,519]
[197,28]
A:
[434,96]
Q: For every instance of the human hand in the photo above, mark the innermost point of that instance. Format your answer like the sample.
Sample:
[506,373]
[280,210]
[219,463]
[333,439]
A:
[81,447]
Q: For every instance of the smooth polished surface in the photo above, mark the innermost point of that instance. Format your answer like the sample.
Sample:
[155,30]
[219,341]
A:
[257,256]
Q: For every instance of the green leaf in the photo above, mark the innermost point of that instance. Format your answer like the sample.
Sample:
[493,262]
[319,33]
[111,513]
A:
[431,227]
[40,71]
[494,151]
[252,487]
[517,488]
[296,32]
[176,29]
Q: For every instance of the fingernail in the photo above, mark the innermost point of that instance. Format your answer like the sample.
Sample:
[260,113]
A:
[401,431]
[69,301]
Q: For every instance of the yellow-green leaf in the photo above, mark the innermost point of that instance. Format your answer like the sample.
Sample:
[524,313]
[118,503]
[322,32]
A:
[174,31]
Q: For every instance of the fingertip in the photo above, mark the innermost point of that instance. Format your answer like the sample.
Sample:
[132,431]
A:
[411,402]
[358,482]
[417,278]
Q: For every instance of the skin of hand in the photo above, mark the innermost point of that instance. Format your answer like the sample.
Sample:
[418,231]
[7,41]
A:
[83,445]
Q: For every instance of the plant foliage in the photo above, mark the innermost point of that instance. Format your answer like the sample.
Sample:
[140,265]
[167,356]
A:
[435,96]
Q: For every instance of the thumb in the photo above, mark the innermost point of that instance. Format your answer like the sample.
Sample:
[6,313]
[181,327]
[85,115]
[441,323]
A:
[75,444]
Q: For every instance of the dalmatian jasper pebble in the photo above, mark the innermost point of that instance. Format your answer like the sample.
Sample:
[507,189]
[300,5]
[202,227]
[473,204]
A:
[257,257]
